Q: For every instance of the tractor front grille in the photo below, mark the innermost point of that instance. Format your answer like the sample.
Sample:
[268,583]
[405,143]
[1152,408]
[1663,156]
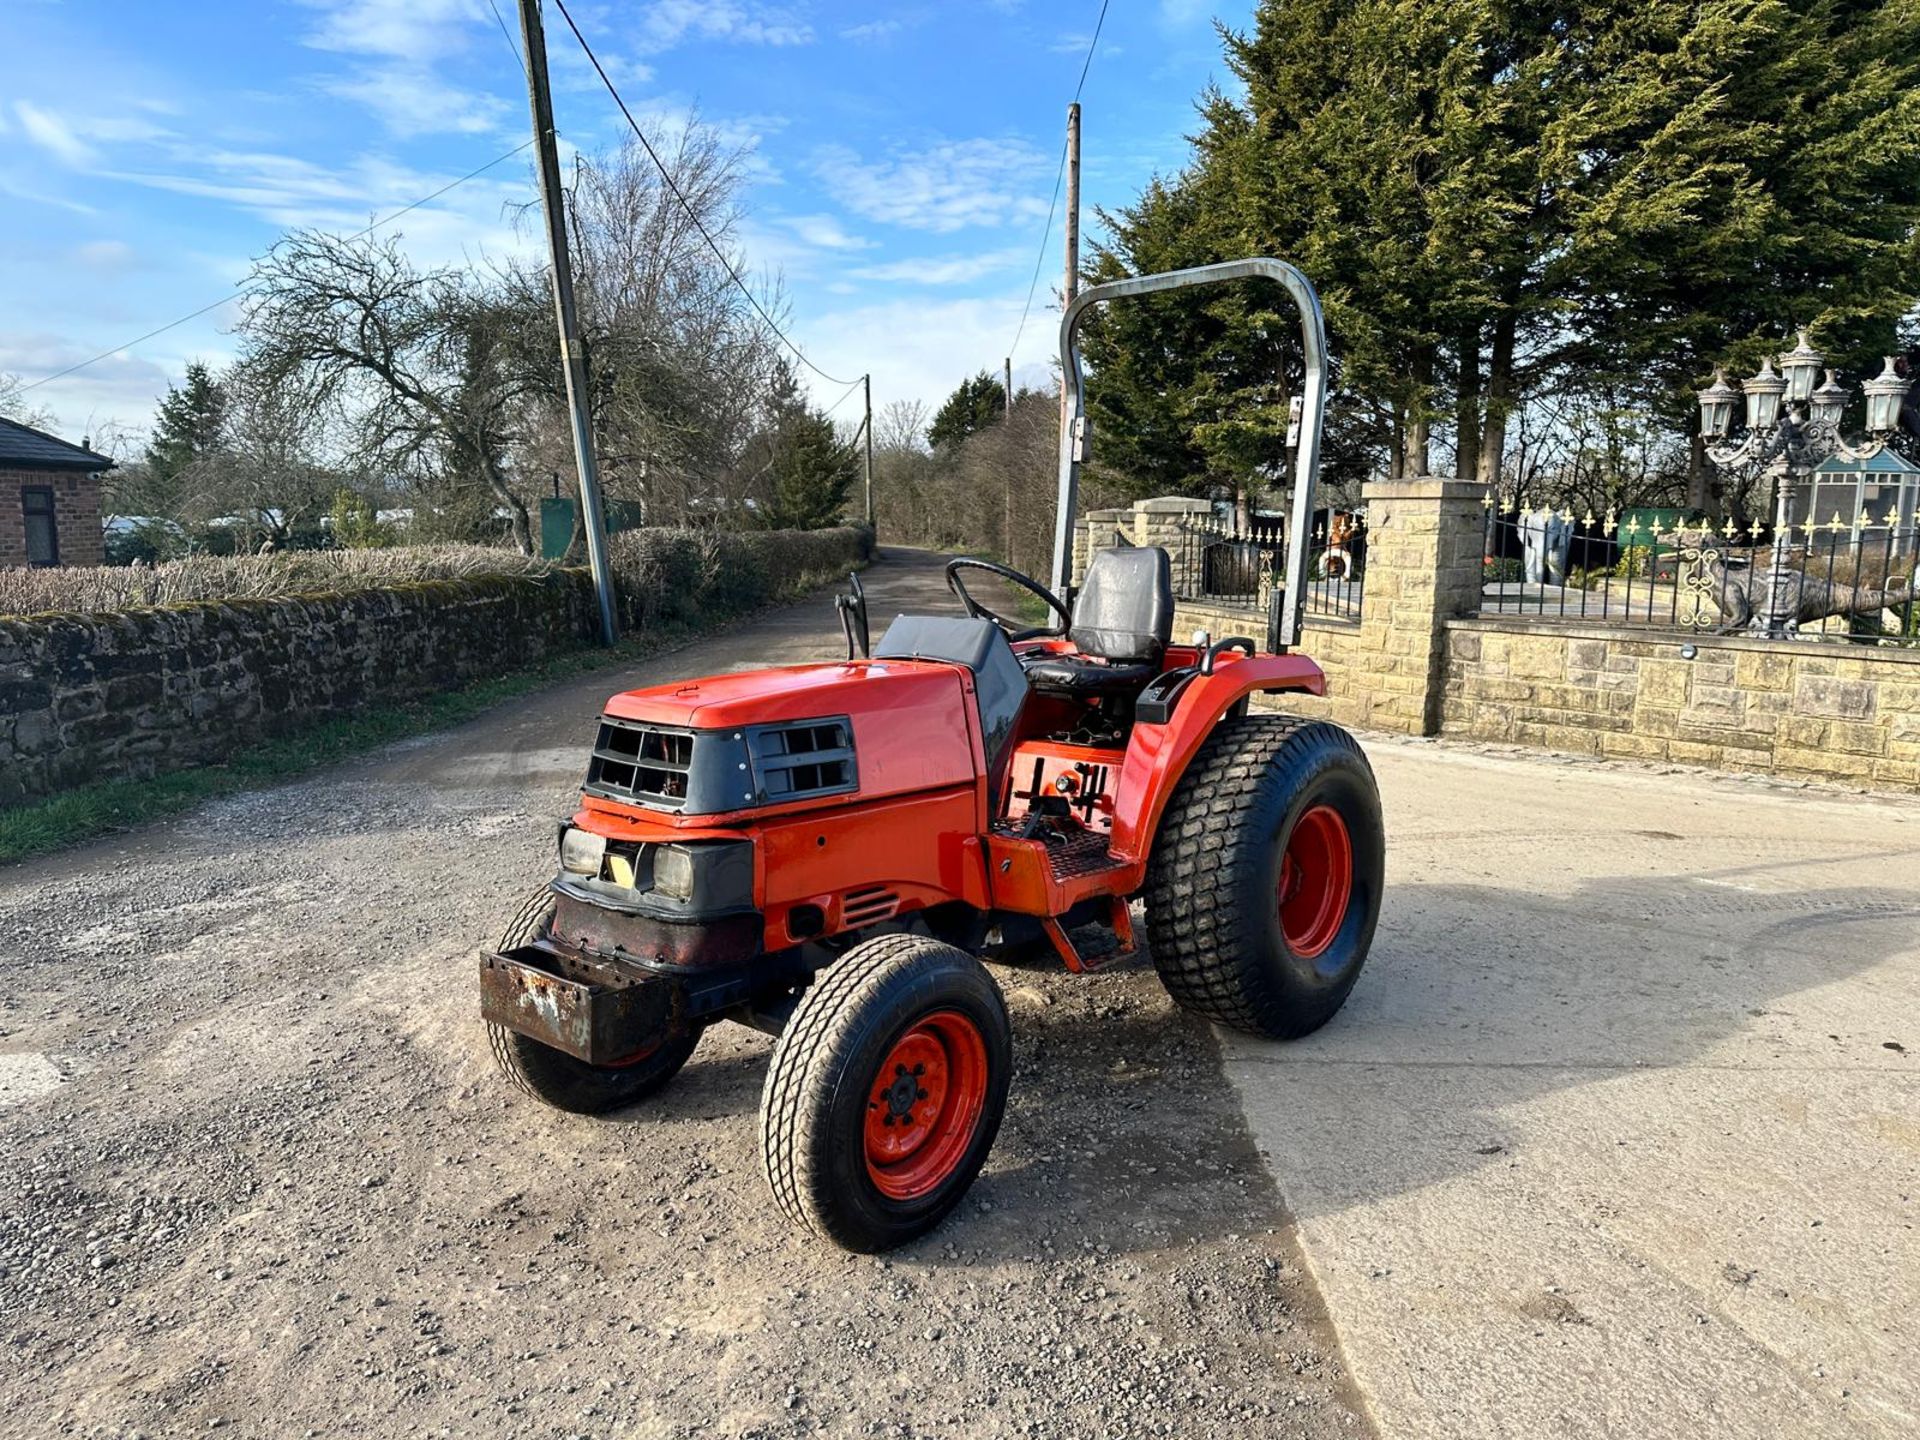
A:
[645,763]
[710,772]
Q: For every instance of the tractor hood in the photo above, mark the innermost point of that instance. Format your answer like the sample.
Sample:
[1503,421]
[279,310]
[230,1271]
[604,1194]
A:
[785,736]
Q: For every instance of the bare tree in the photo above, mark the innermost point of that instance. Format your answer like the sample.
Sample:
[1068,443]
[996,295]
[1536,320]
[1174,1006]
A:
[432,367]
[15,406]
[680,367]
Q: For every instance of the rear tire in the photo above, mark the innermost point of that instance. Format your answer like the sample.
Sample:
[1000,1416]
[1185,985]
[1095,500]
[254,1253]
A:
[885,1092]
[558,1079]
[1264,885]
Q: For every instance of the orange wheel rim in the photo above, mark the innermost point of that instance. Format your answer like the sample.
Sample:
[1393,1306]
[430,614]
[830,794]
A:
[924,1105]
[1316,881]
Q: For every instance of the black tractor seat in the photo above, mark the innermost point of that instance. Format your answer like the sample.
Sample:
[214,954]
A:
[1122,619]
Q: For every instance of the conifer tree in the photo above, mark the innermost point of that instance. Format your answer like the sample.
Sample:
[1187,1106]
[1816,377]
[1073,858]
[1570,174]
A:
[812,470]
[1495,199]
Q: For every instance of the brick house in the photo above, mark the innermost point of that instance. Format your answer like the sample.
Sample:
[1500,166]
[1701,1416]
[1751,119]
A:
[49,499]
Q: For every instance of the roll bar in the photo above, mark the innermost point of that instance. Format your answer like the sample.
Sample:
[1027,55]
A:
[1313,341]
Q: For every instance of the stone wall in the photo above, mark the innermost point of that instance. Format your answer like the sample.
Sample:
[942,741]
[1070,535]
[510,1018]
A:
[1423,569]
[1145,522]
[1421,662]
[136,693]
[1791,707]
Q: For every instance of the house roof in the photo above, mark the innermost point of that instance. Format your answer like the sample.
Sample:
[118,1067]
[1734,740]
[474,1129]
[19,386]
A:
[1884,461]
[24,448]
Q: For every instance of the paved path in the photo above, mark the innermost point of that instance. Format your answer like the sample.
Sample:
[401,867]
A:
[1619,1134]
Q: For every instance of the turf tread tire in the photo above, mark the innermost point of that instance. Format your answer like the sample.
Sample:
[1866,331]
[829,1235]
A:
[814,1057]
[1208,856]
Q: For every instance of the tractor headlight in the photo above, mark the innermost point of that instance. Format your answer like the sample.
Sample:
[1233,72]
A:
[673,872]
[582,852]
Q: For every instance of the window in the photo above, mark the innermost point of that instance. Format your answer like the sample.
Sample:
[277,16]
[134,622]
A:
[43,532]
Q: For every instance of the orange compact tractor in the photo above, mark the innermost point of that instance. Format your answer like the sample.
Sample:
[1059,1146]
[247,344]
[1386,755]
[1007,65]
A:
[821,851]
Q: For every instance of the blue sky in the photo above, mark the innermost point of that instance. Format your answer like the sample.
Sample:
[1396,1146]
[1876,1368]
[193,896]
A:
[901,157]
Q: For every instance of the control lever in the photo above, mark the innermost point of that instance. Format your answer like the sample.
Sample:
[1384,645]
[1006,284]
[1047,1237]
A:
[853,619]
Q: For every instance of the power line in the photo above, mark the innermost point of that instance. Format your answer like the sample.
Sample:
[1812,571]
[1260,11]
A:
[1092,45]
[843,399]
[692,214]
[241,293]
[507,35]
[1058,175]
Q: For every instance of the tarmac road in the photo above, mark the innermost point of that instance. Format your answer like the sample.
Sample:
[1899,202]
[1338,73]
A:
[260,1178]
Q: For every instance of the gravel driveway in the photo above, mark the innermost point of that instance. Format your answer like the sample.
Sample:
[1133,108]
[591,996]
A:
[261,1180]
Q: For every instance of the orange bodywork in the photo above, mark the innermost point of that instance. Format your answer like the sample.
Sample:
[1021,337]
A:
[917,832]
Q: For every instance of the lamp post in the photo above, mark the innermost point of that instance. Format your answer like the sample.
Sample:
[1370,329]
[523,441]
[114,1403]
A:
[1790,427]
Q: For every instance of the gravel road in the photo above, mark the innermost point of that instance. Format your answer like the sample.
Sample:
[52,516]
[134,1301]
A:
[260,1178]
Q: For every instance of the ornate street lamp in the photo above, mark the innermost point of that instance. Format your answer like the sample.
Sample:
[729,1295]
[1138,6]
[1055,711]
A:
[1791,428]
[1884,393]
[1763,397]
[1716,407]
[1801,366]
[1829,403]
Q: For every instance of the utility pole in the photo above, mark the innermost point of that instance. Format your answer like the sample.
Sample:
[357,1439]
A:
[1006,471]
[1071,285]
[573,356]
[866,427]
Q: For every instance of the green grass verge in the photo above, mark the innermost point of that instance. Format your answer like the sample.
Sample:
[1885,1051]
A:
[111,805]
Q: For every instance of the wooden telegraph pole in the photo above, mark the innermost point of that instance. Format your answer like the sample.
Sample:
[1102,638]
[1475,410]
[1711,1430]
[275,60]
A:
[572,355]
[1070,286]
[866,384]
[1006,471]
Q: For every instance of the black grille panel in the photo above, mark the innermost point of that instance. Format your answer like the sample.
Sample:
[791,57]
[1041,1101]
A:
[709,772]
[799,761]
[646,763]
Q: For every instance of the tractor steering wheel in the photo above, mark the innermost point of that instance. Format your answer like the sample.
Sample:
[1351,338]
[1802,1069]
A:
[1014,631]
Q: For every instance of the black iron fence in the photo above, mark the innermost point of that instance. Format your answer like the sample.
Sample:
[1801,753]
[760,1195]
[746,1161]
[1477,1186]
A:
[1232,562]
[1851,582]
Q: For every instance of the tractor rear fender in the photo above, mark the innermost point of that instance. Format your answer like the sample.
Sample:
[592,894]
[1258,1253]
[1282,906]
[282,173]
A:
[1158,755]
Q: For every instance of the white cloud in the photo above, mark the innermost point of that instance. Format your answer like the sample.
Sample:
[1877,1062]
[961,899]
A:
[289,193]
[825,233]
[669,22]
[406,43]
[412,100]
[416,30]
[37,197]
[872,30]
[946,269]
[946,187]
[54,135]
[105,255]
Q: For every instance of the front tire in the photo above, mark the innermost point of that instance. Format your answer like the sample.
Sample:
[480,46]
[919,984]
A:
[556,1078]
[885,1092]
[1265,881]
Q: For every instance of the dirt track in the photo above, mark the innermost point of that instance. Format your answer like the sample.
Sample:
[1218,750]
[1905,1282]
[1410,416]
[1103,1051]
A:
[261,1180]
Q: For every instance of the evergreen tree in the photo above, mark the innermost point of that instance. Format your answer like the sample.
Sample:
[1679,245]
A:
[977,403]
[188,425]
[812,470]
[1494,199]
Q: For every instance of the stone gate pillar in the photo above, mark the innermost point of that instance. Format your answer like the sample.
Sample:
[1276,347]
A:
[1424,564]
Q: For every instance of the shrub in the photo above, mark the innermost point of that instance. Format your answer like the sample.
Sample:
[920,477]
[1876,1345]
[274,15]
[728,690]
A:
[661,576]
[94,589]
